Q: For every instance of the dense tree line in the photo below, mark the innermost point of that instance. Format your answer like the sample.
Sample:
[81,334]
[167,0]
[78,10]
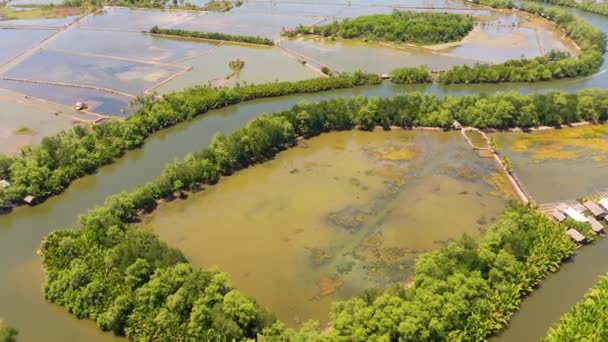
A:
[555,65]
[598,7]
[587,320]
[465,291]
[211,5]
[213,36]
[129,282]
[504,4]
[48,168]
[7,334]
[411,75]
[400,27]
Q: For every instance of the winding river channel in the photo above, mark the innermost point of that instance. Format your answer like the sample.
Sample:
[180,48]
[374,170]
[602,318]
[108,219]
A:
[21,300]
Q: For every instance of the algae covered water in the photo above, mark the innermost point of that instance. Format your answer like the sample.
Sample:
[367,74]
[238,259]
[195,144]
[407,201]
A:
[336,215]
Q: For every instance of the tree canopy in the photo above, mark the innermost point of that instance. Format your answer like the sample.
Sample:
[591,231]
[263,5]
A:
[400,27]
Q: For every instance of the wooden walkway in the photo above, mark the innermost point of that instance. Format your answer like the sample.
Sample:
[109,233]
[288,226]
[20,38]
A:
[517,186]
[549,206]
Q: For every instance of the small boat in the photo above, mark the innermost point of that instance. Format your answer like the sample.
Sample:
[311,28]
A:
[81,106]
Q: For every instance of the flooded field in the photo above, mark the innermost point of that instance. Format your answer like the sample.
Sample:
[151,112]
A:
[338,214]
[100,102]
[131,45]
[13,42]
[26,122]
[124,76]
[574,158]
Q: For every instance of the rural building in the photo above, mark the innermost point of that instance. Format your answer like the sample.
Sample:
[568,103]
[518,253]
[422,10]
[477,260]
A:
[575,215]
[4,184]
[557,216]
[579,207]
[604,203]
[595,225]
[562,207]
[595,209]
[575,235]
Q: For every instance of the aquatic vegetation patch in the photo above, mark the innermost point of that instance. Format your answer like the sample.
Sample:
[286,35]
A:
[563,144]
[24,130]
[500,185]
[349,218]
[319,256]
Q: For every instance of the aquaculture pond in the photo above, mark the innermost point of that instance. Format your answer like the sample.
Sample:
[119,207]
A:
[560,164]
[61,67]
[336,215]
[262,64]
[12,42]
[26,122]
[101,102]
[131,45]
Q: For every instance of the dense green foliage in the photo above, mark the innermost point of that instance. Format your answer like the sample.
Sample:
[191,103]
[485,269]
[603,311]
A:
[555,65]
[411,75]
[504,4]
[46,169]
[588,319]
[7,334]
[465,291]
[129,282]
[400,26]
[212,36]
[236,65]
[598,7]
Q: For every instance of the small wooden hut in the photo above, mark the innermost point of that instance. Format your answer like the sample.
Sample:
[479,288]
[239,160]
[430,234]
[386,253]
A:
[596,226]
[579,207]
[604,203]
[557,216]
[575,235]
[595,209]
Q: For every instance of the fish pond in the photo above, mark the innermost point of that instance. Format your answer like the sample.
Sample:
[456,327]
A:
[336,215]
[562,164]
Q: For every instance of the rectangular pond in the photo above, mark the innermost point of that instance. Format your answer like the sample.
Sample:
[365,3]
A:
[131,45]
[348,55]
[242,23]
[336,215]
[98,101]
[121,75]
[14,42]
[262,64]
[26,122]
[557,165]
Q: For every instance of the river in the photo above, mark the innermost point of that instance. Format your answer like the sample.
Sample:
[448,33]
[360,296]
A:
[21,300]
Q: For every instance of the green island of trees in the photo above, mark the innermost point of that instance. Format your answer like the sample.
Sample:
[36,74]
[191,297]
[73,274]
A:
[586,321]
[554,65]
[212,36]
[48,168]
[399,27]
[130,282]
[411,75]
